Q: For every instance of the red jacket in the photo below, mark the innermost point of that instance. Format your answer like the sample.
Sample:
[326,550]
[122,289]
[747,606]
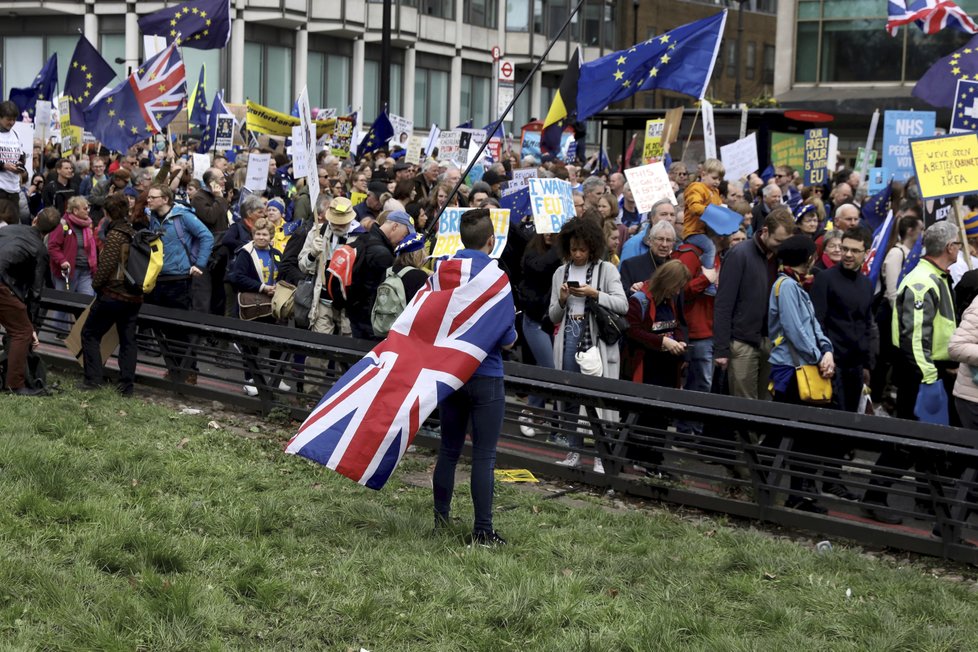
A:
[698,307]
[63,246]
[645,334]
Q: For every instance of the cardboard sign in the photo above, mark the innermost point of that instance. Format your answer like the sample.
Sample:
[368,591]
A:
[670,132]
[402,130]
[415,145]
[109,343]
[946,166]
[709,130]
[898,128]
[342,137]
[816,156]
[450,241]
[257,177]
[552,203]
[224,138]
[740,158]
[201,163]
[652,150]
[448,144]
[649,184]
[788,149]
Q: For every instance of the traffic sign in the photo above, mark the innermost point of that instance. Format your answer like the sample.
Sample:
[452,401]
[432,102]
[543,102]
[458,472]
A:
[506,72]
[496,53]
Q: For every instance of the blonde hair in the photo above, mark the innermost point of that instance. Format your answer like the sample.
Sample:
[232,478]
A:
[411,259]
[74,203]
[713,166]
[263,223]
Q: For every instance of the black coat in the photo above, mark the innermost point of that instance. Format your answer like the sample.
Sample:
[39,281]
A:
[534,287]
[740,310]
[375,254]
[843,303]
[23,263]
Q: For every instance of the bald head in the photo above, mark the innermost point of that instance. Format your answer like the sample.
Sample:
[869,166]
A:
[846,217]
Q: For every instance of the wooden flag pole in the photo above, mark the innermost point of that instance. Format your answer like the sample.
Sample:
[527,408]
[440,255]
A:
[691,130]
[959,217]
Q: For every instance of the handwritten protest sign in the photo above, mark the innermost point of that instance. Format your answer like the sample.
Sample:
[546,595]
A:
[709,130]
[448,144]
[257,177]
[552,203]
[740,158]
[414,146]
[946,166]
[522,176]
[898,128]
[788,149]
[649,184]
[201,163]
[449,238]
[652,150]
[816,156]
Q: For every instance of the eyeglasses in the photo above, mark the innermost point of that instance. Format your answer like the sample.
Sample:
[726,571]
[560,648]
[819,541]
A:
[956,243]
[154,196]
[664,240]
[854,252]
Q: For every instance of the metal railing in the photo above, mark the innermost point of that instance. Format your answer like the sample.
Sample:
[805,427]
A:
[742,462]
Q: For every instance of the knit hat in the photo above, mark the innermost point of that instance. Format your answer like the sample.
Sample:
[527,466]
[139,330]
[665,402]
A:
[971,225]
[413,242]
[802,211]
[796,250]
[275,202]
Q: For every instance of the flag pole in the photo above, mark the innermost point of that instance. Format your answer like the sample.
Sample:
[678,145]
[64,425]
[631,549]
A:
[433,223]
[691,130]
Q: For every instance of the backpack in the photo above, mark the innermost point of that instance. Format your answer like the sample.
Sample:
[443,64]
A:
[390,302]
[339,273]
[144,262]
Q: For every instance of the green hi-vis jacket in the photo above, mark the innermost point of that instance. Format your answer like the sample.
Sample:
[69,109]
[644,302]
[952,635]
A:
[923,317]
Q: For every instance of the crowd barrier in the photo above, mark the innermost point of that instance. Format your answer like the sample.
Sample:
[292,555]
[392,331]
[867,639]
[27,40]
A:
[740,465]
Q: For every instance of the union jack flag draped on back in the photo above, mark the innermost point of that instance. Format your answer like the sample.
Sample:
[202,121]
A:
[931,16]
[363,425]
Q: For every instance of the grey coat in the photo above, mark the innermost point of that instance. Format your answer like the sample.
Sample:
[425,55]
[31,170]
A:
[611,295]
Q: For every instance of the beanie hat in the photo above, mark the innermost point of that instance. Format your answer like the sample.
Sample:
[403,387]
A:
[796,250]
[275,202]
[971,225]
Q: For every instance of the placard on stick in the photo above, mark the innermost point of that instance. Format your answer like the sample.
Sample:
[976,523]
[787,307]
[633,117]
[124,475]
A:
[946,166]
[449,238]
[257,177]
[649,184]
[552,202]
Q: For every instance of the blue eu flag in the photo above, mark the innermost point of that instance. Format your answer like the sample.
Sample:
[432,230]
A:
[198,103]
[88,74]
[207,142]
[937,86]
[42,88]
[202,25]
[380,132]
[680,60]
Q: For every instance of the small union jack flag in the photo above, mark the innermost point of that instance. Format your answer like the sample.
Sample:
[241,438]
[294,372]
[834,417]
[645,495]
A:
[363,425]
[931,16]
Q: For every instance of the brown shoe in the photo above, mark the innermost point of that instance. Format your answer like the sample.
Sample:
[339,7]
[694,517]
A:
[191,379]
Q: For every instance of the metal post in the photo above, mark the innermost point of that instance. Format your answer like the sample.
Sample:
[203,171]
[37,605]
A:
[385,58]
[740,38]
[634,36]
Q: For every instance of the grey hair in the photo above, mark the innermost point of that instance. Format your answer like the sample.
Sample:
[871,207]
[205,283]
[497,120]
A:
[429,163]
[769,188]
[850,205]
[834,234]
[322,202]
[592,183]
[661,202]
[938,236]
[661,226]
[250,204]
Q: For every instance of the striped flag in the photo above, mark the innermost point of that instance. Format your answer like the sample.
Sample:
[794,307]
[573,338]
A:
[931,16]
[366,421]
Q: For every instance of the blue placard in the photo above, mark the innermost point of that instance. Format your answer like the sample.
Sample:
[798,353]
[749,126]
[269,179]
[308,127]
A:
[877,180]
[816,156]
[898,128]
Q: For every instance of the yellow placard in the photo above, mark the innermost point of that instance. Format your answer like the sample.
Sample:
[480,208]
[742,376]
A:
[357,198]
[515,475]
[946,166]
[449,240]
[652,151]
[263,120]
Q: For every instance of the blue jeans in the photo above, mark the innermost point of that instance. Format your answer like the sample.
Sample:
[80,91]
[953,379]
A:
[542,348]
[709,256]
[481,402]
[573,330]
[80,281]
[699,375]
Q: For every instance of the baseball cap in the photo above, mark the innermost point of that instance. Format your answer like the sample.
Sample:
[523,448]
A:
[400,217]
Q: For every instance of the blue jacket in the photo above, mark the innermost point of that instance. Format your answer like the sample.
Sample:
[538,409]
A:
[635,245]
[197,242]
[244,274]
[791,318]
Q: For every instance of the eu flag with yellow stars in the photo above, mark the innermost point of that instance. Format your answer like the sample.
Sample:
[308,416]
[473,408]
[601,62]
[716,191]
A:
[88,74]
[42,88]
[964,116]
[938,84]
[197,105]
[680,60]
[202,25]
[380,132]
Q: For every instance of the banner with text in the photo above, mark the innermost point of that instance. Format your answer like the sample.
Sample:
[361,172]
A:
[898,128]
[552,203]
[816,156]
[449,238]
[649,184]
[946,166]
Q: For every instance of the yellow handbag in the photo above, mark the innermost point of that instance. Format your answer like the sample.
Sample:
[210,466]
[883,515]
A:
[812,388]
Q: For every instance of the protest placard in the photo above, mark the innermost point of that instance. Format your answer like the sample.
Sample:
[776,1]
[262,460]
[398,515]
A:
[308,150]
[25,134]
[865,159]
[946,166]
[878,178]
[402,130]
[358,197]
[415,145]
[552,203]
[788,149]
[476,138]
[433,135]
[833,155]
[649,184]
[256,179]
[300,161]
[709,130]
[816,156]
[201,163]
[42,120]
[448,144]
[224,138]
[740,158]
[342,137]
[449,239]
[670,131]
[324,114]
[522,176]
[898,128]
[652,150]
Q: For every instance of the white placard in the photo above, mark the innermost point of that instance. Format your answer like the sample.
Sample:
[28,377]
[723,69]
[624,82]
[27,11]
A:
[521,177]
[402,130]
[42,120]
[432,143]
[300,160]
[833,153]
[257,178]
[649,184]
[414,146]
[25,134]
[477,137]
[449,240]
[153,45]
[201,163]
[448,144]
[740,158]
[325,114]
[709,130]
[552,203]
[309,139]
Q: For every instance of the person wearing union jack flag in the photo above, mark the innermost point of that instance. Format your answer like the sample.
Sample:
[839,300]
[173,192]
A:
[480,401]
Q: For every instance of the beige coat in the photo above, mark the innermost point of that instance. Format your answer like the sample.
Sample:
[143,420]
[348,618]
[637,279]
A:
[963,348]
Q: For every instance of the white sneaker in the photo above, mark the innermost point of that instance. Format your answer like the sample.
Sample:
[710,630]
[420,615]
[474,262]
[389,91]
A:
[598,466]
[526,425]
[251,390]
[573,460]
[284,386]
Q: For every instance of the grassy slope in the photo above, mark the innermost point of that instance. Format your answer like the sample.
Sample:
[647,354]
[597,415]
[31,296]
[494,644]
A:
[113,535]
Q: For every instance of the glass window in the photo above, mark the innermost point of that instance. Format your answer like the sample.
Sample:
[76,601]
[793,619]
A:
[431,98]
[28,52]
[844,48]
[517,15]
[609,26]
[337,82]
[211,59]
[731,58]
[481,12]
[371,90]
[769,64]
[538,16]
[253,66]
[421,98]
[64,47]
[808,9]
[924,49]
[750,63]
[806,53]
[278,85]
[316,79]
[438,8]
[475,100]
[592,24]
[521,110]
[853,9]
[397,72]
[113,47]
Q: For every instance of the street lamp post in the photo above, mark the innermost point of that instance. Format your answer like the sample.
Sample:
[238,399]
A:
[740,38]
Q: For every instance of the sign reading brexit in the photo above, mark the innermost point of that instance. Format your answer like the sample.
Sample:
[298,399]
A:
[947,166]
[898,128]
[552,202]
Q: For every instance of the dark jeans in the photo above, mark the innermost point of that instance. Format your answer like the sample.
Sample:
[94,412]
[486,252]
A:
[20,331]
[847,387]
[175,340]
[480,401]
[104,314]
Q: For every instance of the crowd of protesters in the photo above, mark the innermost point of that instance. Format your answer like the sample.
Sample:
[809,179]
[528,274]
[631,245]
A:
[712,305]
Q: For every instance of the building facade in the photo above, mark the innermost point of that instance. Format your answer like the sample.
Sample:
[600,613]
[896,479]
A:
[441,67]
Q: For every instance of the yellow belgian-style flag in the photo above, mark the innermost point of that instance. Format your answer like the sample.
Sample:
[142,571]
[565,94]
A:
[564,105]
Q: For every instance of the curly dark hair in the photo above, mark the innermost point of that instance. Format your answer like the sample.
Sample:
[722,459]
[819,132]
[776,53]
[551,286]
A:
[588,232]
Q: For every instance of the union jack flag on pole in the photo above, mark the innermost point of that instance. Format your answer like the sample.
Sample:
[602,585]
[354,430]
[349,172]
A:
[931,16]
[363,425]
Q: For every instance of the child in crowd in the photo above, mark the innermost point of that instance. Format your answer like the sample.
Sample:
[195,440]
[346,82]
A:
[697,196]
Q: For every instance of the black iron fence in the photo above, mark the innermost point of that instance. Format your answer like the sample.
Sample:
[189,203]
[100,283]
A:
[720,453]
